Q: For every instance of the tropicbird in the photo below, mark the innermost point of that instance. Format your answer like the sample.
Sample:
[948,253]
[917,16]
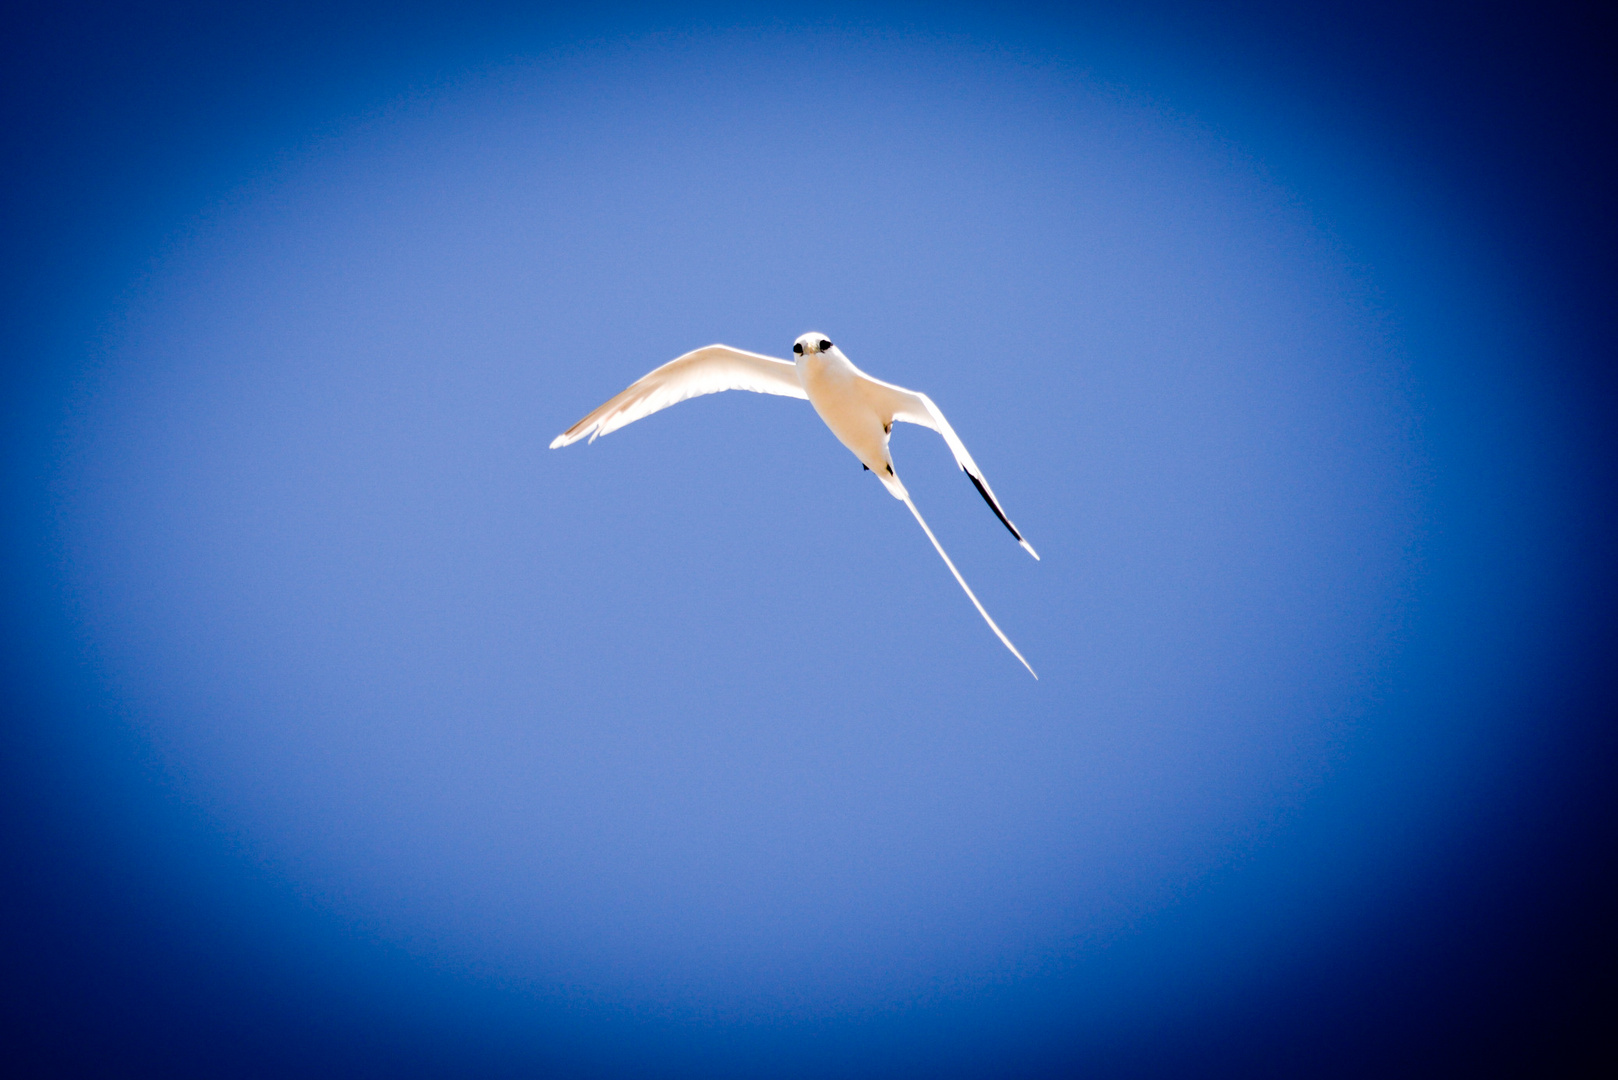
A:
[859,409]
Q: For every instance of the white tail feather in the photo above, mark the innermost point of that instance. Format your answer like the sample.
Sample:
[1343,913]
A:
[968,589]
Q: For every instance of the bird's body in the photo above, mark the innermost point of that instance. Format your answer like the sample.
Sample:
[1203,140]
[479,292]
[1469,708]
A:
[840,393]
[859,410]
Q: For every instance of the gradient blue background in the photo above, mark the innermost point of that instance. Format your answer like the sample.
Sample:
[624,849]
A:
[350,730]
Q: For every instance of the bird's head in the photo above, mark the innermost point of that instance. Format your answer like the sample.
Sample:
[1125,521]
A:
[811,343]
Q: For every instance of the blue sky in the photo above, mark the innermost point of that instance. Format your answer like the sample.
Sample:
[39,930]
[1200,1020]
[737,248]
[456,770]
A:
[364,730]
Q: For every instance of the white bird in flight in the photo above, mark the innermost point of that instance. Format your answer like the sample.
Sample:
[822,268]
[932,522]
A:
[859,410]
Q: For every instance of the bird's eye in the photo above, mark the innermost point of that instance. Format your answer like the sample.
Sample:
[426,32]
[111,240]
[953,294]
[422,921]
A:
[824,344]
[798,348]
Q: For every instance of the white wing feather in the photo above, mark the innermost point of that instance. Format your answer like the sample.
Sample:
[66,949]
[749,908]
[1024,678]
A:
[708,370]
[896,403]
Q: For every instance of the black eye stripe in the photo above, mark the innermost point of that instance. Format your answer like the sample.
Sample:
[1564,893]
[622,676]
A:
[824,344]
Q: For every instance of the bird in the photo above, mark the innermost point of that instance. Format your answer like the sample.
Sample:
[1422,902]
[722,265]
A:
[858,408]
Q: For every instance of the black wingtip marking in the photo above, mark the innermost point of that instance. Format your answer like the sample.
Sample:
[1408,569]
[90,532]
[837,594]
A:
[984,492]
[864,466]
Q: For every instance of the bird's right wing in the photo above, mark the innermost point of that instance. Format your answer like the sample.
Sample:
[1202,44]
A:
[896,403]
[702,371]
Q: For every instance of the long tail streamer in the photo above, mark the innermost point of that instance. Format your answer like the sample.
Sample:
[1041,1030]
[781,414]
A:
[970,595]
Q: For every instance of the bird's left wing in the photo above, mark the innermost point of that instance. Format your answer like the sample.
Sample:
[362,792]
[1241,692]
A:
[896,403]
[701,371]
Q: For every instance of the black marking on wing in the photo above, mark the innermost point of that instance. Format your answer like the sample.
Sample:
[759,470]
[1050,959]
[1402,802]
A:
[890,469]
[986,498]
[864,466]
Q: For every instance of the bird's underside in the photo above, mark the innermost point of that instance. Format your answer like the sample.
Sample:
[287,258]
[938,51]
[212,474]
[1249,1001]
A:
[859,410]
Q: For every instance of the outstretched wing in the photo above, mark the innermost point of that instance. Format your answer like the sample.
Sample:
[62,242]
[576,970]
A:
[897,403]
[702,371]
